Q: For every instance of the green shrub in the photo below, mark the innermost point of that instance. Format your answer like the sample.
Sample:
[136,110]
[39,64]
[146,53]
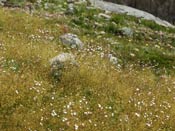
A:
[118,19]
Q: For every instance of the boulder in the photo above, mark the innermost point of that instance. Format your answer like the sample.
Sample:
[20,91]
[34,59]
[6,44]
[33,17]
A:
[58,64]
[72,41]
[126,31]
[2,2]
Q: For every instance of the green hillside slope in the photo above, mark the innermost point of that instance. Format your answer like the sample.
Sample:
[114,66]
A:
[135,94]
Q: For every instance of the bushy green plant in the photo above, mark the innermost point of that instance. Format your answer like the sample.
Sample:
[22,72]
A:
[118,19]
[111,28]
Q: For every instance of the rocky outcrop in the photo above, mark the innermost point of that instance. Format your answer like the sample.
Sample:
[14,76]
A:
[160,8]
[59,62]
[129,11]
[71,40]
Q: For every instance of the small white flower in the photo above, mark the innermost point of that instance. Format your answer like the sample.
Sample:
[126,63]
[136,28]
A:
[137,114]
[53,113]
[64,111]
[17,92]
[99,106]
[132,54]
[74,114]
[64,119]
[76,127]
[90,121]
[148,124]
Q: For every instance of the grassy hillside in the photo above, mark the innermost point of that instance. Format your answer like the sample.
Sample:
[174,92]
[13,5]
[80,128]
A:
[137,94]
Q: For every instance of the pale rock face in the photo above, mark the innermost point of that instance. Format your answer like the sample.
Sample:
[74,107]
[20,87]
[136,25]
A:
[72,41]
[160,8]
[117,8]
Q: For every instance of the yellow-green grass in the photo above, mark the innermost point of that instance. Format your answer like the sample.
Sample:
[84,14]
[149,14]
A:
[91,97]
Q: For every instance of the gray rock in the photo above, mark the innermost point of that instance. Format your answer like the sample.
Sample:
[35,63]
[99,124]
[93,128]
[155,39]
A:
[70,9]
[72,41]
[113,59]
[126,31]
[129,11]
[62,58]
[58,64]
[2,2]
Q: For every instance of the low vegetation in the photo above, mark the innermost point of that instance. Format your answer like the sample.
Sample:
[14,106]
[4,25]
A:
[137,93]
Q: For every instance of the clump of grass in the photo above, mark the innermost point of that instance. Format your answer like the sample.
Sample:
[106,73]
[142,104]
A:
[111,28]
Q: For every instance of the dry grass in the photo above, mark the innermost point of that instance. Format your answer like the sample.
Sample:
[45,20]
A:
[91,97]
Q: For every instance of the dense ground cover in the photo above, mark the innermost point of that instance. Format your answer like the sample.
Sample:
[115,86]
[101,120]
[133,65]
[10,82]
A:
[138,93]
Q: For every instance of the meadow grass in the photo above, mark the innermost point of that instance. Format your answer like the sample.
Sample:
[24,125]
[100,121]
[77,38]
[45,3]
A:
[94,96]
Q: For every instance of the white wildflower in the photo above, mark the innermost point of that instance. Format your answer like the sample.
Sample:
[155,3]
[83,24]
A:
[137,114]
[76,127]
[53,113]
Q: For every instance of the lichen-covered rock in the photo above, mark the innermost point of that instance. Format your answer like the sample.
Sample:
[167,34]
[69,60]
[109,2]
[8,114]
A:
[126,31]
[63,57]
[58,63]
[72,41]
